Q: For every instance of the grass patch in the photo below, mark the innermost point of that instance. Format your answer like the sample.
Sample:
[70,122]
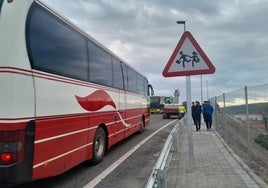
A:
[262,140]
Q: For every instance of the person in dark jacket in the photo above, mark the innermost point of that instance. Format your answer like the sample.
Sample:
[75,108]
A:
[193,113]
[207,114]
[197,114]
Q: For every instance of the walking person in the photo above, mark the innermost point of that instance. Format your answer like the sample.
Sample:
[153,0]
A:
[193,114]
[207,113]
[197,114]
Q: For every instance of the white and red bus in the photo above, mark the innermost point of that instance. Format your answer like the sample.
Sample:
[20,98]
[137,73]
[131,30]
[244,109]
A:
[64,97]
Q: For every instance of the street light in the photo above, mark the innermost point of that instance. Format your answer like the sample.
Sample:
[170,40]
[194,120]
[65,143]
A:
[181,22]
[189,122]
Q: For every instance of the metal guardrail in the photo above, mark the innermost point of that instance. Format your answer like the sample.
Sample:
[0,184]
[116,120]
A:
[157,178]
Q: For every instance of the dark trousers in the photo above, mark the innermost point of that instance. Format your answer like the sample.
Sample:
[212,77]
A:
[181,115]
[193,117]
[197,121]
[208,120]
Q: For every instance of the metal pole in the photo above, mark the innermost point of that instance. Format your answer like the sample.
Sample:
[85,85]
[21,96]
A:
[247,122]
[201,89]
[224,116]
[189,122]
[216,112]
[207,89]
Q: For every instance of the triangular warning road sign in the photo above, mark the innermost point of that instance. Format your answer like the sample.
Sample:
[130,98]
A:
[188,59]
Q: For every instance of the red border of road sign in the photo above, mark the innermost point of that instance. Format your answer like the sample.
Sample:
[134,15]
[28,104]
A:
[211,69]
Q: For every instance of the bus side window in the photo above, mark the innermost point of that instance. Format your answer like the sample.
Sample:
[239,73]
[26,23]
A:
[132,80]
[117,74]
[55,47]
[140,84]
[100,65]
[124,68]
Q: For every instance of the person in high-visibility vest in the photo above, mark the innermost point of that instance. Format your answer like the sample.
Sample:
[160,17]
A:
[182,111]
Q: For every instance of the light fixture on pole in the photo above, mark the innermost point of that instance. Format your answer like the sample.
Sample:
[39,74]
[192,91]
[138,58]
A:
[182,22]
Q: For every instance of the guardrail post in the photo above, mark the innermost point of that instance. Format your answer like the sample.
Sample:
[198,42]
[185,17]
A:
[161,178]
[175,138]
[174,146]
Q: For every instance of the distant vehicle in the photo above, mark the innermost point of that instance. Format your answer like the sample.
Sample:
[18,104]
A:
[157,103]
[168,100]
[65,98]
[170,110]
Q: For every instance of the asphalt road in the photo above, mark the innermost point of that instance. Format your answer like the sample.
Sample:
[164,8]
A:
[114,172]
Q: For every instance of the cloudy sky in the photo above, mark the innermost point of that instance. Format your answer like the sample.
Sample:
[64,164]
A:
[232,33]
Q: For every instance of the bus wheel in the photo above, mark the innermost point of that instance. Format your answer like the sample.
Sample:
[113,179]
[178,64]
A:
[99,146]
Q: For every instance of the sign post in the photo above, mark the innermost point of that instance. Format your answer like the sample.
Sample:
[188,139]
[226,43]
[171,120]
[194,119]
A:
[188,59]
[189,125]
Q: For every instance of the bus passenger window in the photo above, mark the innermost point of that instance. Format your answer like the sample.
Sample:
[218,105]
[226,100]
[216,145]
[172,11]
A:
[117,74]
[54,46]
[132,80]
[100,65]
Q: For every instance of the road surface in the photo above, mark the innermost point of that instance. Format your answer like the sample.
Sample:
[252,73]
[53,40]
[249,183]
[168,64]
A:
[127,164]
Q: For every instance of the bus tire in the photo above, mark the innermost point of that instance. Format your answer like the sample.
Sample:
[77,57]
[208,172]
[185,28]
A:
[99,146]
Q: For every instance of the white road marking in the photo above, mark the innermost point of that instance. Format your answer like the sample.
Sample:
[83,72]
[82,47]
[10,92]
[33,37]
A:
[106,172]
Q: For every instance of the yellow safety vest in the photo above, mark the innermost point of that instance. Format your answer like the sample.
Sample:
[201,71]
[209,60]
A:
[182,109]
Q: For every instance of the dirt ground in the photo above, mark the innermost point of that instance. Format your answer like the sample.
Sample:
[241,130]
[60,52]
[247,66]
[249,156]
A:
[241,141]
[259,125]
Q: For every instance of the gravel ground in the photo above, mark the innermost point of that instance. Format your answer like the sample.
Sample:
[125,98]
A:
[235,134]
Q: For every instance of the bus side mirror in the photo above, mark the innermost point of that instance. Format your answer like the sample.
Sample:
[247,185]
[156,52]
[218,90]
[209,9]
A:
[150,90]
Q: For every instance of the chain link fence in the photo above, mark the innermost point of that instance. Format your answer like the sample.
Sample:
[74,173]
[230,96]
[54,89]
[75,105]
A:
[241,118]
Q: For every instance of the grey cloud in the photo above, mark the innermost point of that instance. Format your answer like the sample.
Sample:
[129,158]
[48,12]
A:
[232,33]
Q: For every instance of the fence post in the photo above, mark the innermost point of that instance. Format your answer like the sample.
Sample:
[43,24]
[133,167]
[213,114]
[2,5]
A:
[216,112]
[224,123]
[247,123]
